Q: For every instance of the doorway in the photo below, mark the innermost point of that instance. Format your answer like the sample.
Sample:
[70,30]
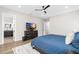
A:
[46,27]
[8,28]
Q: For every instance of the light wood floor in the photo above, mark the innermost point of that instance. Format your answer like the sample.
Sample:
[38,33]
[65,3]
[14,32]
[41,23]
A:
[8,40]
[7,48]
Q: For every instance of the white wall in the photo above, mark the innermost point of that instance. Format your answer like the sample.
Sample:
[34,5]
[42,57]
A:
[21,20]
[8,19]
[38,22]
[21,25]
[62,24]
[1,29]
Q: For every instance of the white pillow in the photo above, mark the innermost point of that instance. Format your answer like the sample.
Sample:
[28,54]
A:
[69,37]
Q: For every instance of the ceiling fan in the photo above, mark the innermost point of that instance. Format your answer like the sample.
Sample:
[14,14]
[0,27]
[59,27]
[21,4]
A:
[43,9]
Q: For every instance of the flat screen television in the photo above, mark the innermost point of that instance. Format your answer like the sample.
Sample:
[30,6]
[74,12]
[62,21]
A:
[30,26]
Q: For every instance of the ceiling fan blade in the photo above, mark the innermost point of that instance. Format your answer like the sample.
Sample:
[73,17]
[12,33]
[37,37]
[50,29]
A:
[45,12]
[38,9]
[46,7]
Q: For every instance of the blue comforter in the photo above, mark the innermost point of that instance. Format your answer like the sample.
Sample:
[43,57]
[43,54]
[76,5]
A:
[75,43]
[51,44]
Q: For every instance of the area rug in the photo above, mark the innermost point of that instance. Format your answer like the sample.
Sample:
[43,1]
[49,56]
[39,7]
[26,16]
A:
[25,49]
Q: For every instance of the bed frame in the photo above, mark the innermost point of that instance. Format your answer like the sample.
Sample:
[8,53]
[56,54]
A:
[38,49]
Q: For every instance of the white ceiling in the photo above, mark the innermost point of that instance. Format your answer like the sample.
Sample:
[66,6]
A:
[53,10]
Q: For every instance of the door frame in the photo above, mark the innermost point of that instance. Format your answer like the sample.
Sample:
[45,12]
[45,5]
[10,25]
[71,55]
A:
[14,26]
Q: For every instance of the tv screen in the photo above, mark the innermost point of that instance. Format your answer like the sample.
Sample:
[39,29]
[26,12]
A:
[30,26]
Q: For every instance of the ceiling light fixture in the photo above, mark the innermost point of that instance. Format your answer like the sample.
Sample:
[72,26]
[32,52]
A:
[66,6]
[19,6]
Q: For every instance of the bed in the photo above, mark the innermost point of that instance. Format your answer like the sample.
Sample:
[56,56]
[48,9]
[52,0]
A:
[55,44]
[51,44]
[75,43]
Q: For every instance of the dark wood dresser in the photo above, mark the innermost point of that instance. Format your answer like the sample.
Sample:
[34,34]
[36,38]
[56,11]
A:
[30,35]
[8,33]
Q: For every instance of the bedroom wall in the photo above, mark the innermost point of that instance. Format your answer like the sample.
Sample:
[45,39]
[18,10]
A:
[38,22]
[21,19]
[21,25]
[1,29]
[64,23]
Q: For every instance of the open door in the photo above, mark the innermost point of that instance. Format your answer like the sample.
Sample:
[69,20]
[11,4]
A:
[8,28]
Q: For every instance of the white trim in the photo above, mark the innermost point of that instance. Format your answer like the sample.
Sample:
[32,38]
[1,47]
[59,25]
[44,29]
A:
[2,28]
[14,21]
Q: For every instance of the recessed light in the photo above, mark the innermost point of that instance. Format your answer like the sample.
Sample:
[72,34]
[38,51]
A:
[66,6]
[19,6]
